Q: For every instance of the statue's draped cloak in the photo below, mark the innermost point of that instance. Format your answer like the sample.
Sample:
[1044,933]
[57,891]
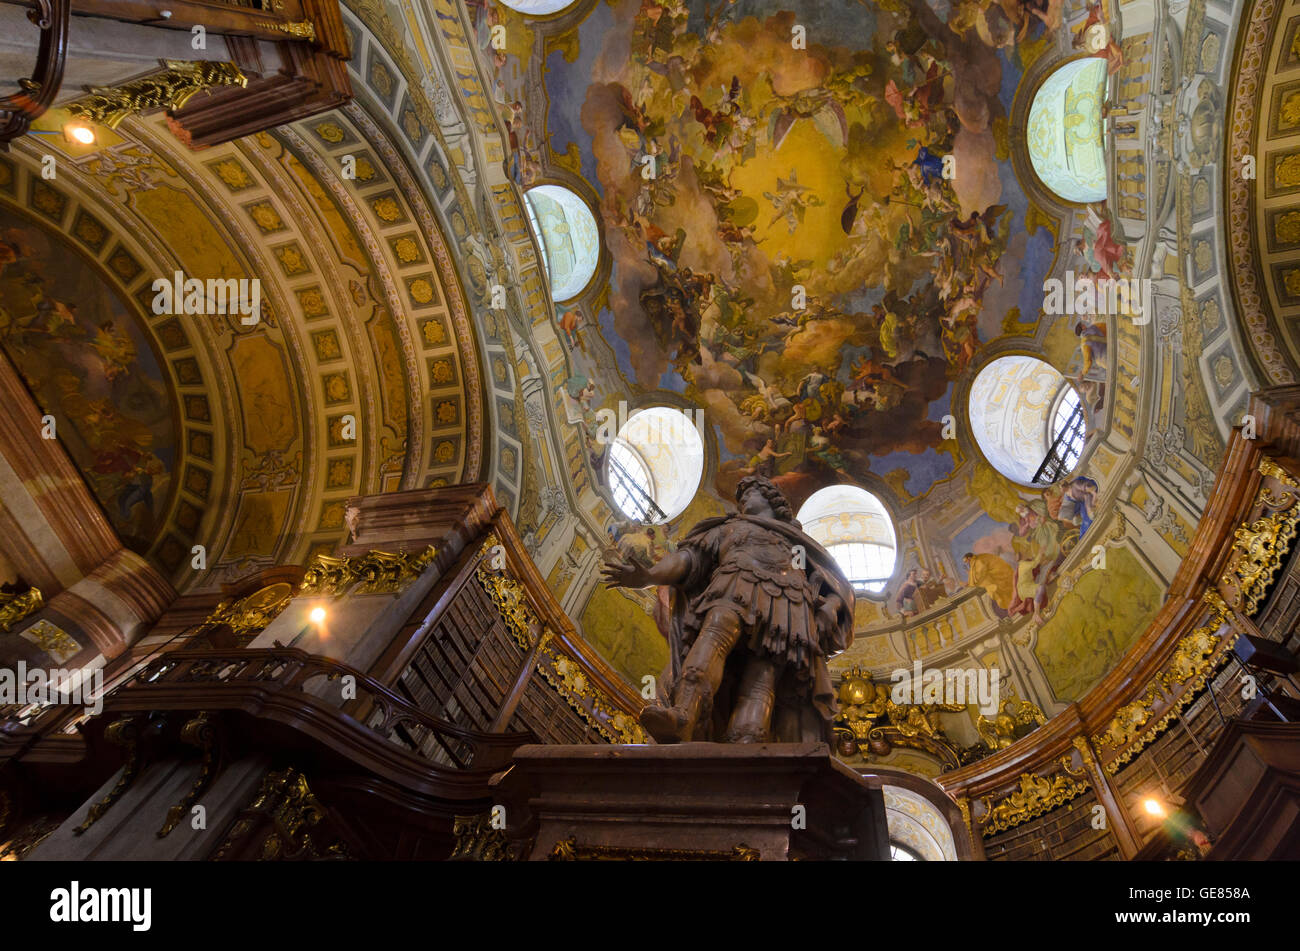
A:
[747,563]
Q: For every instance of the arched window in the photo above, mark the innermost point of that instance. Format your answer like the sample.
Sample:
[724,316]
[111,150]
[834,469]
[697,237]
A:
[1064,131]
[854,527]
[1027,420]
[538,8]
[901,853]
[655,464]
[566,230]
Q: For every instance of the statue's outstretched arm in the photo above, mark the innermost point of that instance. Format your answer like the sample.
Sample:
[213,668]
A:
[669,570]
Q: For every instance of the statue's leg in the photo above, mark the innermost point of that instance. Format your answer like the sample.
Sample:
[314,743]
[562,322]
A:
[701,674]
[751,719]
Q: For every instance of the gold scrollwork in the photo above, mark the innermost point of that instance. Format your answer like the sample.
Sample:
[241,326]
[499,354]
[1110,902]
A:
[379,572]
[1258,549]
[1193,662]
[511,600]
[1128,721]
[1269,467]
[169,88]
[1192,654]
[200,732]
[1036,795]
[251,614]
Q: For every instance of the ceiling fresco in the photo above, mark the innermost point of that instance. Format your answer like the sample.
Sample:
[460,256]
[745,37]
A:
[775,243]
[74,341]
[785,249]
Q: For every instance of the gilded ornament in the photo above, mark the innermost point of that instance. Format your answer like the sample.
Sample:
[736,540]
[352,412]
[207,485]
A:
[1192,655]
[1128,722]
[1291,281]
[15,607]
[378,572]
[170,88]
[1269,467]
[511,600]
[478,841]
[1286,171]
[1286,228]
[570,850]
[251,614]
[1258,550]
[1036,795]
[299,29]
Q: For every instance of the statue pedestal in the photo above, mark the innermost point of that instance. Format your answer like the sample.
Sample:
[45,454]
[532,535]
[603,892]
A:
[719,801]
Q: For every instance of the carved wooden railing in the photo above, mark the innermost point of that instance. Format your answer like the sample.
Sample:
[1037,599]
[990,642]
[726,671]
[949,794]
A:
[324,698]
[19,110]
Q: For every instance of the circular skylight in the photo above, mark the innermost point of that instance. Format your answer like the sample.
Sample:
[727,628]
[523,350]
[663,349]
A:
[853,525]
[655,464]
[566,231]
[1019,405]
[1064,130]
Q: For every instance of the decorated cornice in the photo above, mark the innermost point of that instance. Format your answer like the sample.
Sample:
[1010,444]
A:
[376,572]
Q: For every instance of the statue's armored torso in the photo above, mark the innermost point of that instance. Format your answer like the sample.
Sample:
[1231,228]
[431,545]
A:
[756,572]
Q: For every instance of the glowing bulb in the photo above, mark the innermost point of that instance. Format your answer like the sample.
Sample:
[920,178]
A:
[317,615]
[1153,807]
[81,134]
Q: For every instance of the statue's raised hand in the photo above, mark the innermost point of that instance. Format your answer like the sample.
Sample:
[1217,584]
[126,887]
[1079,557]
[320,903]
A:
[617,572]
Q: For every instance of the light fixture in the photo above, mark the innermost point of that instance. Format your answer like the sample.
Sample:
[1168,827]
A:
[80,133]
[1154,807]
[317,615]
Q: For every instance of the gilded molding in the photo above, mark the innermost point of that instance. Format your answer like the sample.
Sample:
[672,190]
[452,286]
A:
[562,673]
[1194,661]
[169,88]
[379,572]
[1269,467]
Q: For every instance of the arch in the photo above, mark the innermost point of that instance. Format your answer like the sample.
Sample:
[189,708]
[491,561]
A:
[566,231]
[1012,408]
[1065,133]
[917,824]
[854,526]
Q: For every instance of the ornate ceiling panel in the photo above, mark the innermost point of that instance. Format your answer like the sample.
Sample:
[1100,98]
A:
[361,375]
